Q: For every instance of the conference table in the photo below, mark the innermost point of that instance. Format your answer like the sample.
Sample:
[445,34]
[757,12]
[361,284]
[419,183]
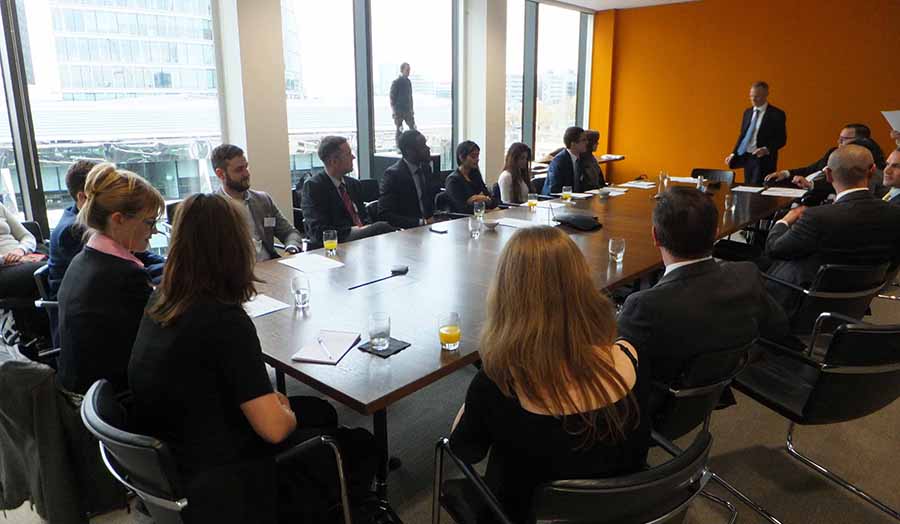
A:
[447,272]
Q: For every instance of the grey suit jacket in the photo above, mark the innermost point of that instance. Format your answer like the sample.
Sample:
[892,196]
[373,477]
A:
[703,307]
[267,222]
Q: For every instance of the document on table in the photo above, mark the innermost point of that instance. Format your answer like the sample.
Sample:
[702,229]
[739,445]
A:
[789,192]
[311,263]
[893,118]
[545,204]
[608,190]
[575,196]
[328,347]
[683,179]
[611,158]
[639,184]
[515,222]
[263,305]
[746,189]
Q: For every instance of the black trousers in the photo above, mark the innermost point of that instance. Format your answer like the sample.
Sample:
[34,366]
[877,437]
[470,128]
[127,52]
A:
[17,282]
[755,168]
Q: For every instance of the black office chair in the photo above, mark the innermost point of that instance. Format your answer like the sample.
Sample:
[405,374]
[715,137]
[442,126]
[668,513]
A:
[844,289]
[443,207]
[857,373]
[370,190]
[145,465]
[51,306]
[656,495]
[537,184]
[723,176]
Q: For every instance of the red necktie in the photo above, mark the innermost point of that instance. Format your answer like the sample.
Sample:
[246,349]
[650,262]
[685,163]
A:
[349,205]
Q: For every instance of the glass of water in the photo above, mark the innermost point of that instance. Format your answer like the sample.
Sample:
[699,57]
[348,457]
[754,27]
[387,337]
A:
[300,289]
[379,331]
[479,209]
[617,249]
[475,227]
[729,202]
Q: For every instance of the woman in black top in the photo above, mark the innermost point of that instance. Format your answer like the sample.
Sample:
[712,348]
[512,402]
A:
[105,290]
[200,384]
[465,186]
[557,397]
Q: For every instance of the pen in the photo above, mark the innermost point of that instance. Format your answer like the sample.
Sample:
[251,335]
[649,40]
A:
[322,344]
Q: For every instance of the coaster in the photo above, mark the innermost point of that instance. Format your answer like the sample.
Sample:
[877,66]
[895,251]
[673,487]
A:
[395,346]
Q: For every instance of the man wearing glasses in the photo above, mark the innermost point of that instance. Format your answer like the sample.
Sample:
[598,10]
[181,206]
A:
[566,168]
[804,176]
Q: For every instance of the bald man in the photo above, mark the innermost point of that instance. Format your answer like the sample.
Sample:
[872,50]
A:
[859,228]
[892,178]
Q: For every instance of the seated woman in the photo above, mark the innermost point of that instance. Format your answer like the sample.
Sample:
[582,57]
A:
[199,383]
[556,397]
[18,262]
[515,180]
[465,186]
[105,289]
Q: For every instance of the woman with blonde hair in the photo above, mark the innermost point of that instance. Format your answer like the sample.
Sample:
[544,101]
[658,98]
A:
[105,289]
[558,395]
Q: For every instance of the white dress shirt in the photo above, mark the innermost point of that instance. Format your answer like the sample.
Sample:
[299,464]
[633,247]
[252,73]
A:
[676,265]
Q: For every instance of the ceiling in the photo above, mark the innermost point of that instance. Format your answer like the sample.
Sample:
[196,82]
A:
[602,5]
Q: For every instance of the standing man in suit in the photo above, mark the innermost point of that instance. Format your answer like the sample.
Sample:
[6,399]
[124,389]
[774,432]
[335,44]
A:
[263,217]
[409,186]
[333,200]
[402,102]
[699,305]
[565,168]
[763,133]
[892,178]
[858,228]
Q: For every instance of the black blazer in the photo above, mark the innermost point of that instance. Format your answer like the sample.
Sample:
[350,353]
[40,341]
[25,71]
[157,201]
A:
[772,131]
[858,229]
[895,201]
[459,191]
[101,302]
[561,173]
[324,209]
[703,307]
[401,95]
[399,200]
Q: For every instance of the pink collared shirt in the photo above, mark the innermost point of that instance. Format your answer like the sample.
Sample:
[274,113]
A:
[104,244]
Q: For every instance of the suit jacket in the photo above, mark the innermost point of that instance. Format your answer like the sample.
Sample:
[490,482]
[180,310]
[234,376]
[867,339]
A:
[818,165]
[401,95]
[324,209]
[562,173]
[399,200]
[772,131]
[460,191]
[895,201]
[857,229]
[592,173]
[702,307]
[267,221]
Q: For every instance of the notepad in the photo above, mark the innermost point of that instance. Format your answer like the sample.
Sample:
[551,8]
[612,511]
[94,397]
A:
[683,179]
[789,192]
[327,347]
[311,263]
[576,196]
[545,204]
[746,189]
[263,305]
[638,184]
[515,222]
[613,191]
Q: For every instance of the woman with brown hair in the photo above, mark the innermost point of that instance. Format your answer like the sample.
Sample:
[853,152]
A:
[558,395]
[200,384]
[465,186]
[515,179]
[102,296]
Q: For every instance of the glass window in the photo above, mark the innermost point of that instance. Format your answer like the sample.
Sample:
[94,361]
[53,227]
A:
[320,77]
[10,195]
[417,32]
[557,76]
[134,114]
[515,70]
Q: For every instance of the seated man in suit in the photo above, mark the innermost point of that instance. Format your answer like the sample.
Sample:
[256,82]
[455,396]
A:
[803,176]
[265,220]
[859,228]
[892,178]
[409,186]
[333,200]
[566,168]
[699,305]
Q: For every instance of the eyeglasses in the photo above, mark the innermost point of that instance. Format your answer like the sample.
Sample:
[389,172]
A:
[150,222]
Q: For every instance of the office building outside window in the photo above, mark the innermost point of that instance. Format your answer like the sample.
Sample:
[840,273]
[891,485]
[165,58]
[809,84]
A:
[10,194]
[557,76]
[515,54]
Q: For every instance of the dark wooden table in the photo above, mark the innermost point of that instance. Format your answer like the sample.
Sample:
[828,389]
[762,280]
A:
[447,272]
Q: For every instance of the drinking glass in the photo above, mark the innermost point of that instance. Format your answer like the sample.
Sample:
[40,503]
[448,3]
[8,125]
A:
[258,247]
[448,331]
[701,183]
[729,202]
[663,182]
[617,249]
[379,331]
[532,202]
[475,225]
[567,193]
[479,209]
[330,242]
[300,289]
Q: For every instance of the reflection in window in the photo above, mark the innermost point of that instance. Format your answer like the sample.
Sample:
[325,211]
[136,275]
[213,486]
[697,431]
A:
[557,75]
[320,77]
[515,54]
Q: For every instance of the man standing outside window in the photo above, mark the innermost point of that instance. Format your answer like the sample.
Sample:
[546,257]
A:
[402,102]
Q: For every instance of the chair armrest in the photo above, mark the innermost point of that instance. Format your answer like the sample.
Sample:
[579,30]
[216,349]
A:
[306,447]
[790,352]
[46,304]
[667,445]
[785,283]
[443,447]
[48,353]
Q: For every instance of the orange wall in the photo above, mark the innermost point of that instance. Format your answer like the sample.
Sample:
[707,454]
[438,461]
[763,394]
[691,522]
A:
[680,75]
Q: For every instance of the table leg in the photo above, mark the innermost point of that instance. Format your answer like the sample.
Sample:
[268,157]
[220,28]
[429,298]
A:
[379,424]
[279,382]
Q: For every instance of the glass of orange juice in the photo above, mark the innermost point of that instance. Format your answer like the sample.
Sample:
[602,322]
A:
[330,241]
[449,332]
[567,193]
[532,202]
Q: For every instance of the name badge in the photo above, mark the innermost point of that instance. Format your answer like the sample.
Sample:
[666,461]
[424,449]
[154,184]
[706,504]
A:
[269,222]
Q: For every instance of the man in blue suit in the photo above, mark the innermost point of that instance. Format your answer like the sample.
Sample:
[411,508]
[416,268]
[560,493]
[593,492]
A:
[566,169]
[763,133]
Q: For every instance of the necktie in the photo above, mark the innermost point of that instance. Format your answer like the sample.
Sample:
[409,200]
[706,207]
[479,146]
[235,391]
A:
[576,183]
[749,134]
[420,178]
[349,206]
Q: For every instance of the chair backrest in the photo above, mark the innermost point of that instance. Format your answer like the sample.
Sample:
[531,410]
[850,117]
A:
[495,191]
[537,183]
[35,229]
[659,494]
[171,208]
[714,175]
[142,463]
[370,190]
[442,202]
[844,289]
[689,402]
[42,280]
[859,375]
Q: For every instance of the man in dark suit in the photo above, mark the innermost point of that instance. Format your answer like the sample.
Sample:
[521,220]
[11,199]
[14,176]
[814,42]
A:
[333,200]
[763,133]
[409,186]
[402,102]
[565,168]
[804,176]
[858,228]
[699,305]
[892,178]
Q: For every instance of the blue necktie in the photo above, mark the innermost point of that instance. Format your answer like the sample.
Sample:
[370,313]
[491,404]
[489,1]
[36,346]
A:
[749,134]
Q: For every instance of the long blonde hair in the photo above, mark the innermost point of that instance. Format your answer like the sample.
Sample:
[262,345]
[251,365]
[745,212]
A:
[110,190]
[545,332]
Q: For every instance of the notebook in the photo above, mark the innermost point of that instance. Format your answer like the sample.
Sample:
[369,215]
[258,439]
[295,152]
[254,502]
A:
[327,347]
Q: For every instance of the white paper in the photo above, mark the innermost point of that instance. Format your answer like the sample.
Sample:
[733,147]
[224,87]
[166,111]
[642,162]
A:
[545,204]
[263,305]
[784,192]
[607,190]
[610,158]
[338,343]
[311,263]
[683,179]
[746,189]
[639,184]
[515,222]
[575,196]
[893,118]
